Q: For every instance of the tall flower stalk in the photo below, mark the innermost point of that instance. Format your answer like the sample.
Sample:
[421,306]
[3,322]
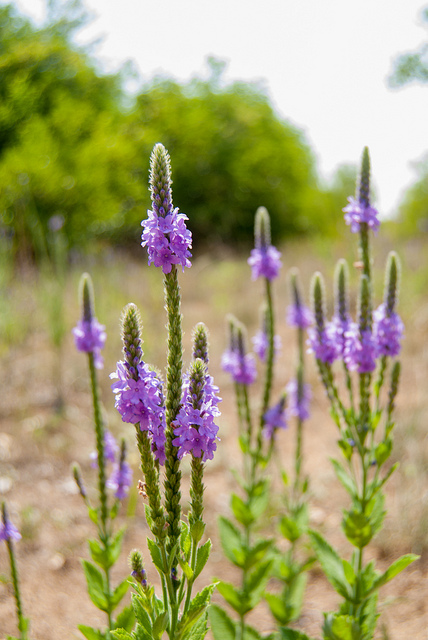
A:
[172,420]
[90,337]
[367,348]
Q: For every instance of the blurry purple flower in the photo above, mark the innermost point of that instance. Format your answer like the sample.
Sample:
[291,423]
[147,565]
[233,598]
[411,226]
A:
[275,418]
[323,344]
[388,331]
[357,212]
[299,316]
[265,262]
[360,350]
[261,344]
[338,329]
[298,400]
[8,531]
[111,449]
[90,337]
[120,479]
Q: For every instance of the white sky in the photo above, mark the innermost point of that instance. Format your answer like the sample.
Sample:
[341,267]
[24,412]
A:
[324,63]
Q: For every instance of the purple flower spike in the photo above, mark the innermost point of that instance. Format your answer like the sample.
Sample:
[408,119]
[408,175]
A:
[360,350]
[388,331]
[265,262]
[339,328]
[299,402]
[323,344]
[90,336]
[261,344]
[120,479]
[111,449]
[357,212]
[275,418]
[299,316]
[8,531]
[241,367]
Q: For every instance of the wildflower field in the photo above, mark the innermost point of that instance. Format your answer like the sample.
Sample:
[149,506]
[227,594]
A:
[47,424]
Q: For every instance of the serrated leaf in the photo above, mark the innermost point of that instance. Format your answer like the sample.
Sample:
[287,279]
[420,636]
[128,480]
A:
[396,567]
[278,608]
[196,609]
[238,601]
[197,531]
[149,519]
[340,627]
[141,634]
[160,625]
[118,593]
[202,557]
[257,553]
[90,633]
[257,581]
[331,564]
[125,619]
[156,555]
[98,553]
[231,542]
[142,616]
[357,528]
[222,626]
[289,529]
[119,634]
[187,569]
[95,583]
[292,634]
[241,510]
[185,541]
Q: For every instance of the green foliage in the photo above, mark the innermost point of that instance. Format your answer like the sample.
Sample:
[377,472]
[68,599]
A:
[411,67]
[413,212]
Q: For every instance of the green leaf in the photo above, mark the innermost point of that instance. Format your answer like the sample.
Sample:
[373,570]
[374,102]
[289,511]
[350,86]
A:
[357,528]
[257,553]
[196,608]
[156,556]
[186,568]
[257,581]
[383,451]
[118,593]
[241,510]
[202,557]
[115,546]
[292,634]
[344,478]
[90,633]
[197,530]
[125,619]
[98,553]
[231,542]
[198,630]
[396,568]
[289,529]
[278,608]
[331,564]
[237,600]
[222,627]
[119,634]
[149,519]
[95,584]
[349,572]
[340,627]
[93,515]
[160,625]
[347,449]
[185,541]
[142,616]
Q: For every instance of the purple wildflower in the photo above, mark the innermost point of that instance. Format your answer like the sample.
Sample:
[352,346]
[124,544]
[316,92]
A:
[141,401]
[90,336]
[8,531]
[338,328]
[194,426]
[299,316]
[120,479]
[111,449]
[167,240]
[357,212]
[299,399]
[242,367]
[360,350]
[323,344]
[265,262]
[275,418]
[388,331]
[140,576]
[261,344]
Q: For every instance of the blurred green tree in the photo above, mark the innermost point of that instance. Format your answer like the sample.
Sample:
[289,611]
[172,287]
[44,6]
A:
[412,67]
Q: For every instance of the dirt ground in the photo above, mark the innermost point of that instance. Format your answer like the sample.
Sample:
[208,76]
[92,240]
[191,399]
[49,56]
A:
[37,447]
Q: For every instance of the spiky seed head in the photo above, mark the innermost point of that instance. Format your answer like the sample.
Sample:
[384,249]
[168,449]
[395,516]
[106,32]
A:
[318,300]
[363,190]
[200,342]
[86,297]
[392,282]
[160,180]
[131,335]
[341,289]
[262,236]
[364,304]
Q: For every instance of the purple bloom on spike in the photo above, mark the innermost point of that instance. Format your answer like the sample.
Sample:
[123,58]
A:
[265,262]
[299,316]
[8,531]
[388,331]
[261,344]
[275,418]
[167,240]
[90,336]
[120,479]
[111,448]
[323,344]
[298,400]
[241,367]
[339,328]
[141,401]
[357,212]
[360,350]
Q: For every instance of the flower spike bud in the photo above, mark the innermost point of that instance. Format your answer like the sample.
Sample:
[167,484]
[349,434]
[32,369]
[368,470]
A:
[363,190]
[298,315]
[341,288]
[318,300]
[131,338]
[160,181]
[262,236]
[364,305]
[395,379]
[8,531]
[200,342]
[137,567]
[392,282]
[86,297]
[78,479]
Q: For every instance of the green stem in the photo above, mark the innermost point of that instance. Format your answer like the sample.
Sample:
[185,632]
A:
[99,434]
[22,623]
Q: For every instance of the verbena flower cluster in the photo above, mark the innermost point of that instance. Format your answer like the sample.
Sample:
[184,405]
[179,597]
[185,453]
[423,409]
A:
[299,316]
[194,427]
[299,398]
[241,366]
[357,212]
[275,418]
[8,531]
[90,337]
[139,399]
[261,344]
[265,262]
